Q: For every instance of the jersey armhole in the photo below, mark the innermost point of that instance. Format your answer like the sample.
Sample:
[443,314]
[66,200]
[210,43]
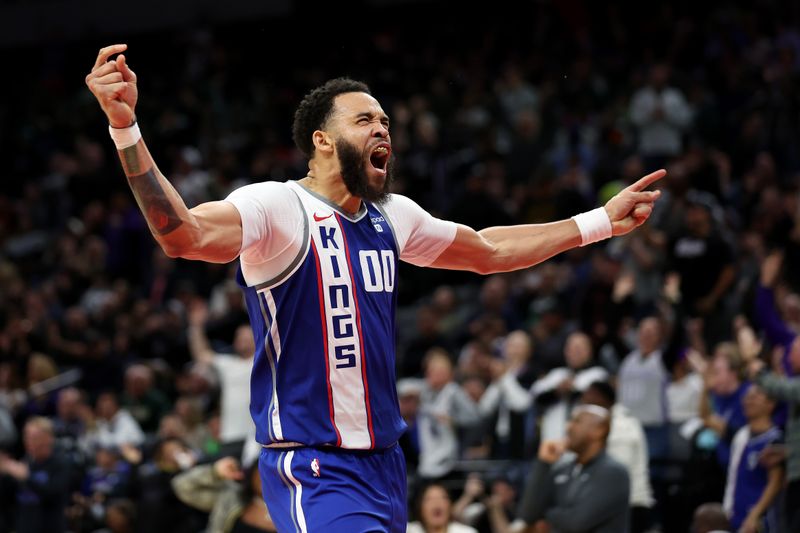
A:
[298,258]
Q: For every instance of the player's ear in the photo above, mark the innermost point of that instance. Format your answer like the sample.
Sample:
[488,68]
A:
[322,141]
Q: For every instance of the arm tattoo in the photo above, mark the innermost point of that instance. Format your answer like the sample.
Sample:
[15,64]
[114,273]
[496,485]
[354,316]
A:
[130,161]
[150,194]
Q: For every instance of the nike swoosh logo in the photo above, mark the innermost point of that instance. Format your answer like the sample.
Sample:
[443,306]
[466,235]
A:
[320,219]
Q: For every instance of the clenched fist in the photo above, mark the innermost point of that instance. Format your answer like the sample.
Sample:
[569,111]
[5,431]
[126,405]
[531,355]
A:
[551,451]
[114,86]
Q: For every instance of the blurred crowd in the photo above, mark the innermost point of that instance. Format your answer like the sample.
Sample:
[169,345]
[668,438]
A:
[124,375]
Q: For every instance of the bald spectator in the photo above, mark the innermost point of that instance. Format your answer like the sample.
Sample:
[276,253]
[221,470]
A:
[41,480]
[581,492]
[710,518]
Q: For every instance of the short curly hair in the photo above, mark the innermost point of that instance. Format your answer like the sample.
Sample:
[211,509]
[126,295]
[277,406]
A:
[316,107]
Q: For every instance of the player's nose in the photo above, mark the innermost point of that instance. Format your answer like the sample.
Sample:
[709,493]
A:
[380,130]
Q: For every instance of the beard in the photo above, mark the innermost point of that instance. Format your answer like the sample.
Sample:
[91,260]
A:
[354,174]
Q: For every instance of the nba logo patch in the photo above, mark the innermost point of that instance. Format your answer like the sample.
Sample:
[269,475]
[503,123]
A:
[315,467]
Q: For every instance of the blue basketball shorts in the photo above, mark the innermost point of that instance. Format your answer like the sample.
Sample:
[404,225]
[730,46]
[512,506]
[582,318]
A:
[331,491]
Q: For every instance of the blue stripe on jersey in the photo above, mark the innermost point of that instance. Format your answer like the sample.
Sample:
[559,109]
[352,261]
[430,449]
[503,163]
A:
[290,371]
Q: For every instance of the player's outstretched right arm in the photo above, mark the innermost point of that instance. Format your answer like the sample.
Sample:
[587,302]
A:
[211,231]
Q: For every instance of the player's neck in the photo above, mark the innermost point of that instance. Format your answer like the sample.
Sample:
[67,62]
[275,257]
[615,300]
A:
[334,189]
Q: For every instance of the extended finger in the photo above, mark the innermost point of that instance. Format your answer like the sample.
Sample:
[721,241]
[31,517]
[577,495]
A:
[648,180]
[106,68]
[107,52]
[122,65]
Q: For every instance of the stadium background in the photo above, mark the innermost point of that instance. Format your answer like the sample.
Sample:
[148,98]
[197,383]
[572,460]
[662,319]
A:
[501,113]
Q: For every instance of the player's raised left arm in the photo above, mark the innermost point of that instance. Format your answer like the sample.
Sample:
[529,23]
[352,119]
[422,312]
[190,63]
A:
[211,231]
[506,248]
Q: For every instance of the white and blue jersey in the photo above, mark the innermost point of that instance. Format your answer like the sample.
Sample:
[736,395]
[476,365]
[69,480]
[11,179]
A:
[320,291]
[747,477]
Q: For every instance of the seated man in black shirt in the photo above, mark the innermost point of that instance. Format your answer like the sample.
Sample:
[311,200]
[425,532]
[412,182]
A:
[584,491]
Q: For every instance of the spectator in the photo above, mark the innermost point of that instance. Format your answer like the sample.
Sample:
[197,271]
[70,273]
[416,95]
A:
[444,408]
[487,512]
[120,517]
[661,114]
[704,262]
[112,425]
[556,392]
[627,445]
[507,400]
[8,432]
[108,478]
[42,481]
[198,435]
[159,508]
[232,496]
[234,375]
[434,512]
[752,488]
[684,391]
[643,382]
[722,409]
[787,390]
[408,394]
[69,423]
[710,518]
[426,336]
[777,331]
[41,401]
[585,492]
[141,399]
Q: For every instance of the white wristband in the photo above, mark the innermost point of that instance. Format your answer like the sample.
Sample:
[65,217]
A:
[125,137]
[594,225]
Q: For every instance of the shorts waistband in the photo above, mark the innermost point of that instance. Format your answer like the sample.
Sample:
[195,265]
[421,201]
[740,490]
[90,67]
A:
[284,444]
[326,448]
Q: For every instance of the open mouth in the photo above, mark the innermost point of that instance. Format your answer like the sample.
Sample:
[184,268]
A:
[379,158]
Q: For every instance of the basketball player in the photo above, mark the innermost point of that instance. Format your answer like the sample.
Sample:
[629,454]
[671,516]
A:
[318,265]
